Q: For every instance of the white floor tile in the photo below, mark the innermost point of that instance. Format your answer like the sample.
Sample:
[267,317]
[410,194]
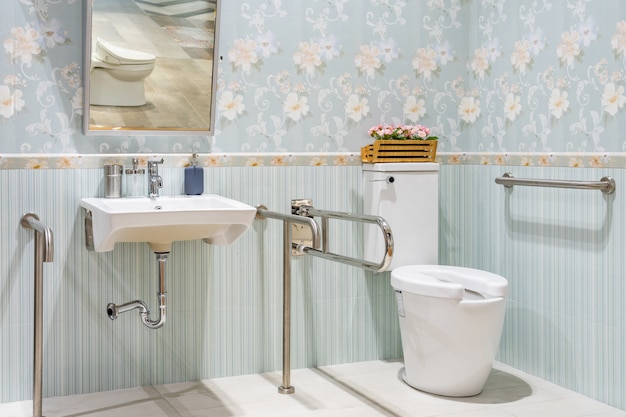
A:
[365,389]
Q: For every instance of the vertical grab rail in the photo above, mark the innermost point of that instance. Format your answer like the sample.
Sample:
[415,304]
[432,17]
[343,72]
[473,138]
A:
[262,214]
[44,248]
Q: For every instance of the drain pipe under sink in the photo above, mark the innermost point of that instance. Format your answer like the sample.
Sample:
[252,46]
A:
[113,310]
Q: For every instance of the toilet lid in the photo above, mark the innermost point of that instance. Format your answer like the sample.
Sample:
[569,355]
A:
[117,55]
[447,281]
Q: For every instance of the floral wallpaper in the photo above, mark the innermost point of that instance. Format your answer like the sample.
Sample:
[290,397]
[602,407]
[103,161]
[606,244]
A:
[504,77]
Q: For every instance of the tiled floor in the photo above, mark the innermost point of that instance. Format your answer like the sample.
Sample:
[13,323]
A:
[352,390]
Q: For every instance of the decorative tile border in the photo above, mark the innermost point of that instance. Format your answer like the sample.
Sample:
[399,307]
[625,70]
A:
[86,161]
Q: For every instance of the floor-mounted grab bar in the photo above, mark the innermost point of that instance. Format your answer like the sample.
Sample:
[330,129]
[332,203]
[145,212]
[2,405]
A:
[262,214]
[304,216]
[606,184]
[44,251]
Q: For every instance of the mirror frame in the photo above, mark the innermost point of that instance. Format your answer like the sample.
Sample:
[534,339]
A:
[137,130]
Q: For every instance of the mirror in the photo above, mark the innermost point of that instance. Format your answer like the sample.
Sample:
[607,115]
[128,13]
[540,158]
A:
[149,66]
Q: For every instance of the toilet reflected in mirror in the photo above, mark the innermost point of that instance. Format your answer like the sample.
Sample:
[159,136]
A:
[149,66]
[118,75]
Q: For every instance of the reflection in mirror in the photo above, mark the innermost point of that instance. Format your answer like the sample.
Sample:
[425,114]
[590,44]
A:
[149,66]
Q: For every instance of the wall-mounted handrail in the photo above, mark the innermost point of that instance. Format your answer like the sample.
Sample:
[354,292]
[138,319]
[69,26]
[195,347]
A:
[44,249]
[262,214]
[361,218]
[606,184]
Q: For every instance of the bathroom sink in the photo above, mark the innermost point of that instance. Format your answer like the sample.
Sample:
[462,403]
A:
[163,220]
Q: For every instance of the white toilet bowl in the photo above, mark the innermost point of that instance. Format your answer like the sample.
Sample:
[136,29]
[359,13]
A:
[451,320]
[118,75]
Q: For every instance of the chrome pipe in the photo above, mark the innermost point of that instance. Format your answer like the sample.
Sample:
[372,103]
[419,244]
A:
[114,310]
[606,184]
[263,213]
[31,221]
[44,248]
[361,218]
[286,387]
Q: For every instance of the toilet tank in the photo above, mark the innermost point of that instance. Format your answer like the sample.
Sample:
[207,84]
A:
[406,195]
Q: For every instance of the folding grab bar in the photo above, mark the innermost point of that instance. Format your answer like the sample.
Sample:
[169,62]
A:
[303,216]
[606,184]
[361,218]
[44,249]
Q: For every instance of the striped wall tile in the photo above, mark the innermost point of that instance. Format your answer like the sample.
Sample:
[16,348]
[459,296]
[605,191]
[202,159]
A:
[224,303]
[562,251]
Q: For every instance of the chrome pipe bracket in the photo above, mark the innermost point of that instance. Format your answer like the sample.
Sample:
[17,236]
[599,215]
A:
[89,230]
[300,233]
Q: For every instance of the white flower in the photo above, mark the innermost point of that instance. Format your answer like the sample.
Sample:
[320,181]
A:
[536,41]
[36,164]
[295,107]
[469,109]
[425,62]
[356,107]
[243,54]
[520,58]
[53,33]
[480,63]
[613,98]
[512,107]
[388,50]
[444,52]
[318,161]
[308,57]
[494,49]
[414,109]
[266,44]
[588,32]
[368,59]
[254,161]
[329,47]
[569,48]
[230,105]
[23,44]
[618,40]
[558,103]
[10,103]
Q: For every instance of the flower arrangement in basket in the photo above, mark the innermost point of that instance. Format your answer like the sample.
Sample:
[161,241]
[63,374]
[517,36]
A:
[401,132]
[400,143]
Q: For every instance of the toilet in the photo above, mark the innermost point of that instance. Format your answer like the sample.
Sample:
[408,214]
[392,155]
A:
[118,74]
[450,317]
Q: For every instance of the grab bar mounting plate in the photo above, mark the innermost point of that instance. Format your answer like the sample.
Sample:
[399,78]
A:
[300,233]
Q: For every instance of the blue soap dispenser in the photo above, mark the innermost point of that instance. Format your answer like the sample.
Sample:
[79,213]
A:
[194,177]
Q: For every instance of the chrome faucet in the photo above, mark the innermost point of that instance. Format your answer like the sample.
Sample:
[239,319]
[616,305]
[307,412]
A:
[154,179]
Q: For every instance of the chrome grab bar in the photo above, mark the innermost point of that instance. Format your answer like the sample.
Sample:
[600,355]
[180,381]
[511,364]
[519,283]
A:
[606,184]
[261,214]
[362,218]
[303,217]
[44,249]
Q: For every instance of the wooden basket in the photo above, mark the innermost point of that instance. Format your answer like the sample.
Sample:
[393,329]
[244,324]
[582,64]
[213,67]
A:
[399,151]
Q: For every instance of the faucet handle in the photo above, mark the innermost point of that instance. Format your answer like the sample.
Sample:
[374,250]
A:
[153,167]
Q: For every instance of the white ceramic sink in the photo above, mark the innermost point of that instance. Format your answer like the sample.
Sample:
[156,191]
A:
[163,220]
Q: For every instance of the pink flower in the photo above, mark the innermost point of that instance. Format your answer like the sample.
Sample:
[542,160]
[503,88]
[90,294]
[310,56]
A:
[400,132]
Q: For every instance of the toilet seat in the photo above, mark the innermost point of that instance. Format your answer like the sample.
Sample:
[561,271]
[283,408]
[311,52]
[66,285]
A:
[116,55]
[447,281]
[96,63]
